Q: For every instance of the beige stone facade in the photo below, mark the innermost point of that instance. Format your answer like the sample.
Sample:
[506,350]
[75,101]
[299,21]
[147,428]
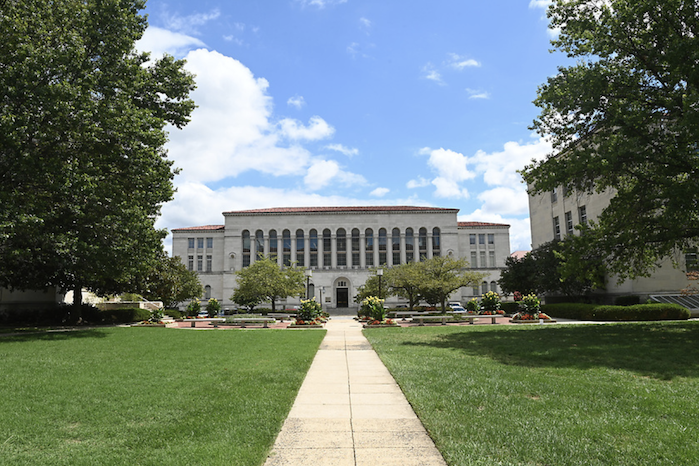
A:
[554,215]
[340,245]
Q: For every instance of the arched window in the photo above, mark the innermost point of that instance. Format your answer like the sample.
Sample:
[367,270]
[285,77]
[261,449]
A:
[383,245]
[300,249]
[246,248]
[327,248]
[369,239]
[259,244]
[286,246]
[409,245]
[313,245]
[273,246]
[422,243]
[341,248]
[207,293]
[436,243]
[494,287]
[484,287]
[355,247]
[395,245]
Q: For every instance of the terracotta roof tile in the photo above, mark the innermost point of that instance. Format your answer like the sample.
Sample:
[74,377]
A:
[201,228]
[481,224]
[350,209]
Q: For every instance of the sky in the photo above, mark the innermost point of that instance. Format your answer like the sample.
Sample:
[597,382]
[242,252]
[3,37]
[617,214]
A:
[356,102]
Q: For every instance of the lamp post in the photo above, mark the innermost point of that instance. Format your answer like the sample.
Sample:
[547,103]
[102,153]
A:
[379,273]
[309,274]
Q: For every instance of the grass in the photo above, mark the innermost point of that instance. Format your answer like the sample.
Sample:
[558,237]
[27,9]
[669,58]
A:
[622,394]
[148,396]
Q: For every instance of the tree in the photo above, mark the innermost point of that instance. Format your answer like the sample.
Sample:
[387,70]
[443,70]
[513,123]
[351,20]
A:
[625,118]
[264,280]
[563,267]
[169,281]
[371,287]
[83,172]
[405,281]
[443,275]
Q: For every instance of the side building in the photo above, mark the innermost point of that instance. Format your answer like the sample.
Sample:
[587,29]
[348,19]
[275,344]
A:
[554,215]
[339,245]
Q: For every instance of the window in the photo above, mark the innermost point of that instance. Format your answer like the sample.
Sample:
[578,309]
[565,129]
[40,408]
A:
[190,263]
[475,290]
[286,248]
[200,264]
[209,243]
[246,248]
[554,195]
[300,249]
[422,243]
[474,260]
[484,287]
[200,243]
[207,292]
[691,261]
[556,228]
[409,246]
[355,247]
[327,248]
[369,247]
[383,243]
[569,223]
[436,246]
[341,248]
[582,215]
[491,258]
[494,287]
[481,239]
[273,245]
[190,243]
[395,245]
[491,238]
[209,263]
[482,260]
[313,245]
[259,244]
[472,239]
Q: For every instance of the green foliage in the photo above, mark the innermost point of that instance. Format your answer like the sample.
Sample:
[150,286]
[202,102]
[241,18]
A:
[405,281]
[310,310]
[169,281]
[175,313]
[510,308]
[443,275]
[156,315]
[629,300]
[372,307]
[371,286]
[490,301]
[473,305]
[624,120]
[530,304]
[264,281]
[194,307]
[213,307]
[637,312]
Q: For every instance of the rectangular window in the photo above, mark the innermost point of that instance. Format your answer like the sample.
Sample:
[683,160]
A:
[691,261]
[482,260]
[491,238]
[472,239]
[190,263]
[554,195]
[481,239]
[327,253]
[474,260]
[475,291]
[208,263]
[569,223]
[190,243]
[582,215]
[209,243]
[355,251]
[200,264]
[200,243]
[556,228]
[491,258]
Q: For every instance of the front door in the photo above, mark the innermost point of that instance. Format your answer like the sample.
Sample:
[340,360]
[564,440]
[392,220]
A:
[342,297]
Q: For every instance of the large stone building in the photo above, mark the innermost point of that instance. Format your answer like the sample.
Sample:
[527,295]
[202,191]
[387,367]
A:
[339,245]
[554,215]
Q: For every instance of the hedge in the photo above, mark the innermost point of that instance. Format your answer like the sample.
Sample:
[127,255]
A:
[65,315]
[638,312]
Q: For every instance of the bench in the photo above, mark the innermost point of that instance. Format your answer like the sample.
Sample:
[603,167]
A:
[403,314]
[215,320]
[472,317]
[253,320]
[423,318]
[281,316]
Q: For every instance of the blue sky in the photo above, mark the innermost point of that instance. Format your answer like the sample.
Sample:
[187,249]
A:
[356,102]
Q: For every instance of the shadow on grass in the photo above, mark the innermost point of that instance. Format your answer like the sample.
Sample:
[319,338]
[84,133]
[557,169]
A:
[659,350]
[51,335]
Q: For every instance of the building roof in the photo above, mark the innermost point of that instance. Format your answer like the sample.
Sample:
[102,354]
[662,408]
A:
[481,224]
[519,254]
[339,210]
[201,228]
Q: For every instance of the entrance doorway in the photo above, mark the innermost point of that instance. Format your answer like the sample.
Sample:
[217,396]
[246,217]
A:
[342,295]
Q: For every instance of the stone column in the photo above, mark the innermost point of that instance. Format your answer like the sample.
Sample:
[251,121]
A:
[362,250]
[333,251]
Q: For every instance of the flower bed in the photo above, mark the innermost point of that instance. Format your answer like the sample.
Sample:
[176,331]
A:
[381,323]
[530,318]
[316,323]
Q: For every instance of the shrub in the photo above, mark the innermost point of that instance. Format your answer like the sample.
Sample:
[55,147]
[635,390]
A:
[638,312]
[156,315]
[510,308]
[193,307]
[174,313]
[473,305]
[213,307]
[530,304]
[567,310]
[490,301]
[372,307]
[310,310]
[627,300]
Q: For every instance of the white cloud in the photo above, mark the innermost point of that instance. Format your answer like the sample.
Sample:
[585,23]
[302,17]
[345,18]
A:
[539,3]
[475,94]
[505,200]
[448,188]
[450,165]
[158,41]
[431,73]
[365,24]
[296,101]
[320,3]
[500,168]
[419,183]
[459,62]
[316,129]
[322,172]
[190,24]
[520,230]
[379,192]
[342,149]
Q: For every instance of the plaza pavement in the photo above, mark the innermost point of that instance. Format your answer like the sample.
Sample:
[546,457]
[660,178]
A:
[350,411]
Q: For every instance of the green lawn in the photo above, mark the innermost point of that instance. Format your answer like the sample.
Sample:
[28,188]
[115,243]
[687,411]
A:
[619,394]
[148,396]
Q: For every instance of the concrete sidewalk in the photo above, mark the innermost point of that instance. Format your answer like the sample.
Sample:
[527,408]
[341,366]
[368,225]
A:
[350,411]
